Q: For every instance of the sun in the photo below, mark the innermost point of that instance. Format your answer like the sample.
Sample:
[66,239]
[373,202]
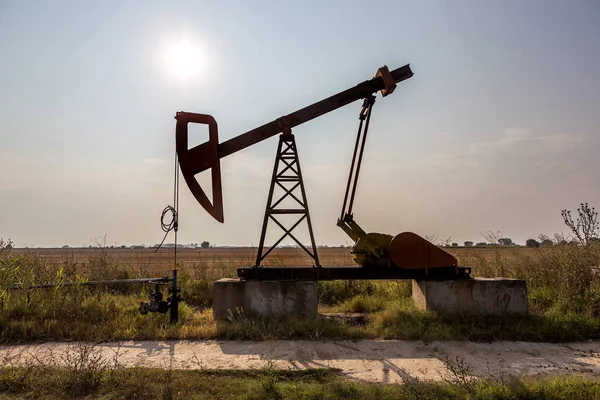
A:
[184,59]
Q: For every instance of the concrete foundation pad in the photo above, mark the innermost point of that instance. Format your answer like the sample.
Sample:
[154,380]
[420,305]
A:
[482,296]
[265,298]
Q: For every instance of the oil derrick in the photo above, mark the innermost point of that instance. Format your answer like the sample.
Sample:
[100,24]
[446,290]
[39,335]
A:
[287,176]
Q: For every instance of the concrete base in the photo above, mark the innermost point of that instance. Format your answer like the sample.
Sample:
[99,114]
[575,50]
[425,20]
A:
[482,296]
[265,299]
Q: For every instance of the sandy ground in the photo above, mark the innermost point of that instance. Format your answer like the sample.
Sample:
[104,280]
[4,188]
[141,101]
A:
[365,360]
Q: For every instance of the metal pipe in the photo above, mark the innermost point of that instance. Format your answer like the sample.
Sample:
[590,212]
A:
[174,311]
[369,111]
[360,126]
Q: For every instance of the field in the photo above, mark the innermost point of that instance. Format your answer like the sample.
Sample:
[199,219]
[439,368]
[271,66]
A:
[564,297]
[162,260]
[207,258]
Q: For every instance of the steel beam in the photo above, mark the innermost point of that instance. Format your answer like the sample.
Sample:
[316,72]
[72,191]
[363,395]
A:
[349,273]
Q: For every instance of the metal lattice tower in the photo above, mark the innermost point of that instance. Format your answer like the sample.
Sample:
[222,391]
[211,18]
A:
[289,178]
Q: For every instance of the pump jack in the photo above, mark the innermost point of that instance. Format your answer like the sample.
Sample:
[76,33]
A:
[379,256]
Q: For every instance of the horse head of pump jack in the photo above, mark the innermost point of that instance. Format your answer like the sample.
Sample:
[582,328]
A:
[200,158]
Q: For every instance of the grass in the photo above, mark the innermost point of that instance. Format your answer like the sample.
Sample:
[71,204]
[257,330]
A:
[564,301]
[141,383]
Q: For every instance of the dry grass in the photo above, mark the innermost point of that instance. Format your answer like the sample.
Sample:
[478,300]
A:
[269,383]
[564,297]
[148,261]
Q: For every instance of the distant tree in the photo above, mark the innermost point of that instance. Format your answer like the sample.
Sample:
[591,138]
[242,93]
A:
[6,244]
[481,244]
[546,243]
[468,243]
[586,226]
[205,245]
[505,242]
[532,243]
[454,244]
[431,238]
[445,242]
[492,237]
[66,246]
[560,238]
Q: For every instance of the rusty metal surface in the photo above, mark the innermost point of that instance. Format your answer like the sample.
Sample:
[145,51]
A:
[313,111]
[207,155]
[369,249]
[193,161]
[408,250]
[388,80]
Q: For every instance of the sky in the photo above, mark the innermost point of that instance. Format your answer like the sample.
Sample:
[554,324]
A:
[496,131]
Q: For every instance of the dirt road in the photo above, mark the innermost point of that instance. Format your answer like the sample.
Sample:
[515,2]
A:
[366,360]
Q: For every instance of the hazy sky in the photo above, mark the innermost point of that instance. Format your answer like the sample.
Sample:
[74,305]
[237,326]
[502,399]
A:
[497,130]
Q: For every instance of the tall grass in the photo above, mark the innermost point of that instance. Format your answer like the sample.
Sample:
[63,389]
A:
[564,297]
[560,278]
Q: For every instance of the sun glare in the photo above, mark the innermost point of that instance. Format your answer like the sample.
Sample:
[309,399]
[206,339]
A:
[185,59]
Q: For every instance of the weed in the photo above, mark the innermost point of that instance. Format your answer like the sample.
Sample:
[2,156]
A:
[333,292]
[144,383]
[364,304]
[268,382]
[460,372]
[86,368]
[564,298]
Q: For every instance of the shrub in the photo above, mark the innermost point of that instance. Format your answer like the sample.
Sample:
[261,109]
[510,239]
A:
[586,227]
